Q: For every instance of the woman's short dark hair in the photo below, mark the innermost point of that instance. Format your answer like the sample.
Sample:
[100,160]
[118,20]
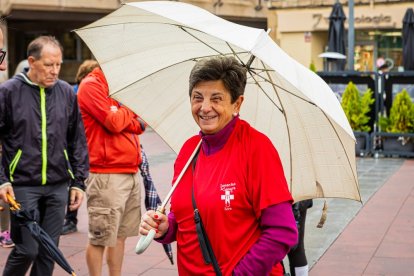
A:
[225,68]
[36,46]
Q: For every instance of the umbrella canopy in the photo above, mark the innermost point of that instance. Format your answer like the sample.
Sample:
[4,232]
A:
[152,199]
[28,219]
[408,39]
[148,49]
[336,34]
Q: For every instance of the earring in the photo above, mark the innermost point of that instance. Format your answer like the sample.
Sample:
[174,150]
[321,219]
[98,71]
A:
[235,114]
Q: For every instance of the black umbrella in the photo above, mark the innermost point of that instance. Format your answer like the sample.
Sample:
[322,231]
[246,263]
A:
[152,199]
[28,219]
[408,39]
[336,34]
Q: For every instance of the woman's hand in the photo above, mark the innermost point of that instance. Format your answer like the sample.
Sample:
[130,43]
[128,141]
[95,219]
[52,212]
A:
[154,220]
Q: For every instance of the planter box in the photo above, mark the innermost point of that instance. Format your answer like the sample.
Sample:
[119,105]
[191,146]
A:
[363,145]
[395,144]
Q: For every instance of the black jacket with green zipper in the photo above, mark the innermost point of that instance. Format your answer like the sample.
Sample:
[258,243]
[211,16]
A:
[43,136]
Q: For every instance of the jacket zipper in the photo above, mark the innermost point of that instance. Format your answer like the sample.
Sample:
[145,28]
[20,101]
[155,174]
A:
[13,163]
[44,134]
[67,160]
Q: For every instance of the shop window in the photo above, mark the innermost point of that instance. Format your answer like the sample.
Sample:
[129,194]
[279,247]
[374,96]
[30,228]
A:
[374,46]
[74,48]
[68,42]
[390,46]
[364,57]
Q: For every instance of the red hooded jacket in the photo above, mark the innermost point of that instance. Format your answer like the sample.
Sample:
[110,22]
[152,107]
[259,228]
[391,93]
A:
[111,129]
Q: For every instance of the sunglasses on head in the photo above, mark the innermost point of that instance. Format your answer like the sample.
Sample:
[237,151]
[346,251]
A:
[2,55]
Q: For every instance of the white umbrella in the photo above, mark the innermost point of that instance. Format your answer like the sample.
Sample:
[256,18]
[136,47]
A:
[147,49]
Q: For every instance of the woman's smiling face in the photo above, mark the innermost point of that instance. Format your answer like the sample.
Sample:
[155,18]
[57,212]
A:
[211,106]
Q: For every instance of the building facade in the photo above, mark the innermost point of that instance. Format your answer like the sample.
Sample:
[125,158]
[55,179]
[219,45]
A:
[24,20]
[300,27]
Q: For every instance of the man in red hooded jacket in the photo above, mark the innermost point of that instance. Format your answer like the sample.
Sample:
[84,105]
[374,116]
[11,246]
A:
[113,187]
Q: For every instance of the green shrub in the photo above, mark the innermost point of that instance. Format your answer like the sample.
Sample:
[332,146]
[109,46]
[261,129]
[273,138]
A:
[357,107]
[312,67]
[401,119]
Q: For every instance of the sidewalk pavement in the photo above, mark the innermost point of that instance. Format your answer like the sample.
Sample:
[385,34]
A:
[372,238]
[380,239]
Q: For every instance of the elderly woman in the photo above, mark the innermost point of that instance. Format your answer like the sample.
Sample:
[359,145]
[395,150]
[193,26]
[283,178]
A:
[236,182]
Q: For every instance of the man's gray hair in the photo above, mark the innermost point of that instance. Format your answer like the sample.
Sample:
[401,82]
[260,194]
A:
[36,46]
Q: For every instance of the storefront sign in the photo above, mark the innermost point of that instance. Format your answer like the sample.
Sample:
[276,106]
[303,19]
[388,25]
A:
[375,20]
[320,21]
[365,17]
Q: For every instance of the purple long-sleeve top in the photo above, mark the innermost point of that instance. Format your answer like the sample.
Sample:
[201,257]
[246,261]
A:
[279,232]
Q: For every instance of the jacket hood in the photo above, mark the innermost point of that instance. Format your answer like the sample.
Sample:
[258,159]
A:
[98,74]
[25,79]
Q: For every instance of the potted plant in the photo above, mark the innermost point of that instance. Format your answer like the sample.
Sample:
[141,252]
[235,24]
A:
[397,130]
[357,106]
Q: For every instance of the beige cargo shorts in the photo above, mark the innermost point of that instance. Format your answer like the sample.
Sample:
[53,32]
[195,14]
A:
[114,207]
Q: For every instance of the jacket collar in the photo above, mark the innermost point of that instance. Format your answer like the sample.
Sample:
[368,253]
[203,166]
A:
[215,142]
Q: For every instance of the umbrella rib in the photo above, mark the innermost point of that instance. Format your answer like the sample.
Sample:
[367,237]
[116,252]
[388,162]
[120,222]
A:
[238,58]
[287,128]
[347,157]
[162,69]
[184,29]
[251,72]
[349,162]
[261,76]
[260,87]
[278,86]
[228,44]
[199,40]
[284,115]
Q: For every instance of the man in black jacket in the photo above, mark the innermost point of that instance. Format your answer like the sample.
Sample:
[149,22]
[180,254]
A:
[44,152]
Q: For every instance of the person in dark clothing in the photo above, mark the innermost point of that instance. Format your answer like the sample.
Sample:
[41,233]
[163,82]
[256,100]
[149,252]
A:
[44,153]
[5,240]
[298,264]
[3,64]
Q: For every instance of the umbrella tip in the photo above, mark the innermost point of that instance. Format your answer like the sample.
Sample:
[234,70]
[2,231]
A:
[171,260]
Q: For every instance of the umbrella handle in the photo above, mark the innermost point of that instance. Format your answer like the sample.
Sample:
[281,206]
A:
[13,203]
[144,242]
